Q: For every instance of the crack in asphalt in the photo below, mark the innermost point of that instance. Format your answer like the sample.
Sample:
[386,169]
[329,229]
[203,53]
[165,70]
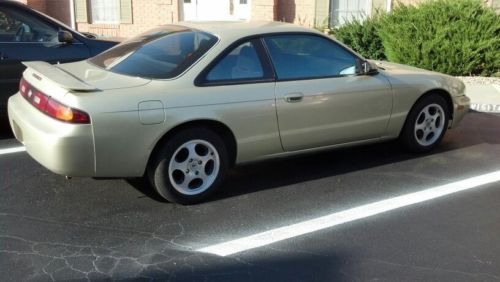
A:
[84,259]
[139,255]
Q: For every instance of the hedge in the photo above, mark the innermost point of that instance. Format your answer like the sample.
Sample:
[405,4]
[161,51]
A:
[457,37]
[362,37]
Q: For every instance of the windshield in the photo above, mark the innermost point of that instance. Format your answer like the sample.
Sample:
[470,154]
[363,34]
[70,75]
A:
[161,53]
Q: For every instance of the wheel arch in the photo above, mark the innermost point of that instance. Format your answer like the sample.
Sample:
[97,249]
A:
[444,94]
[436,91]
[218,127]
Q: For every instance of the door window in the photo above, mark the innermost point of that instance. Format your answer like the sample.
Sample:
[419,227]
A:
[241,63]
[16,26]
[8,27]
[309,56]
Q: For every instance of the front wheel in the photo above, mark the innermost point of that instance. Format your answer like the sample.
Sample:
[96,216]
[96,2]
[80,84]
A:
[426,124]
[190,166]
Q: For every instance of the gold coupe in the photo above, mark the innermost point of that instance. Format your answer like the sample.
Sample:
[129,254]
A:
[181,104]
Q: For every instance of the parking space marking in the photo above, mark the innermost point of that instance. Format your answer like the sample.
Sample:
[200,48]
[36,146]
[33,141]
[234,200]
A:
[12,150]
[349,215]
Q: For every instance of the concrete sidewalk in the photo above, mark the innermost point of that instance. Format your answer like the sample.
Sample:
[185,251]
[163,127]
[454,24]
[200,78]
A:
[484,97]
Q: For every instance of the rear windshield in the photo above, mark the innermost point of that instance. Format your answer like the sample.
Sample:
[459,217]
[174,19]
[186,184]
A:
[160,53]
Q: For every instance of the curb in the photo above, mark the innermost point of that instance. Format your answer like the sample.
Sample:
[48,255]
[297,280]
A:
[485,98]
[485,108]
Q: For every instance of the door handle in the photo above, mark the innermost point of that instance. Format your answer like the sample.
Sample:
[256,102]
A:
[294,97]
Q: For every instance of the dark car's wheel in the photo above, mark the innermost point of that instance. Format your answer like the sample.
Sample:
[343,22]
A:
[426,124]
[190,166]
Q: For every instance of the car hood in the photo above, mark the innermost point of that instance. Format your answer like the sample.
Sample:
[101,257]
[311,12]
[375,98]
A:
[428,79]
[399,68]
[100,78]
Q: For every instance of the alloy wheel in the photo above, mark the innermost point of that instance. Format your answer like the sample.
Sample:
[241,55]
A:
[429,124]
[193,167]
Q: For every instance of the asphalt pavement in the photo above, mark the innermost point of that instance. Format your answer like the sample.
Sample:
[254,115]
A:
[118,229]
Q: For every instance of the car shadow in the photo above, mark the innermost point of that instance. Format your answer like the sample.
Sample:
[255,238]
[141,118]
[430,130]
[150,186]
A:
[477,128]
[5,130]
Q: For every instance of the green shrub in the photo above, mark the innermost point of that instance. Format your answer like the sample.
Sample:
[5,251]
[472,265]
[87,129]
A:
[458,37]
[362,37]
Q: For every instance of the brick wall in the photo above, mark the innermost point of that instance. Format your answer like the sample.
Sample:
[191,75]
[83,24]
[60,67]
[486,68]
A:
[39,5]
[59,9]
[297,11]
[263,10]
[146,15]
[322,13]
[150,13]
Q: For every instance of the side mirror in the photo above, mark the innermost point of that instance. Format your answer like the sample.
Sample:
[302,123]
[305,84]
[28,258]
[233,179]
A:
[65,36]
[366,68]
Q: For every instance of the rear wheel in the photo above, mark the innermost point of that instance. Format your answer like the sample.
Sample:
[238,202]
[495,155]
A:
[426,124]
[190,166]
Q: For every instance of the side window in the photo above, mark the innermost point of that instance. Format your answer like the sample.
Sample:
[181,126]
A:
[17,26]
[8,27]
[241,63]
[309,56]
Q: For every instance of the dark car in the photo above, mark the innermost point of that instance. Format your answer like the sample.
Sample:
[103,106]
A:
[28,35]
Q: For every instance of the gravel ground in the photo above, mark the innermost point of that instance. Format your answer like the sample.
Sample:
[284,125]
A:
[479,79]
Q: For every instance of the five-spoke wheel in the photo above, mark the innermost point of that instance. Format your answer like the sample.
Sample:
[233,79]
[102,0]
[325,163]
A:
[194,167]
[189,166]
[426,124]
[429,124]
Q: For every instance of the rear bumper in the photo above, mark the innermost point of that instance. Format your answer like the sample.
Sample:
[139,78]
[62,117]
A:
[461,106]
[63,148]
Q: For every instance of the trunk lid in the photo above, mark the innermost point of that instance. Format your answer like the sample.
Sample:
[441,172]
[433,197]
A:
[78,77]
[41,70]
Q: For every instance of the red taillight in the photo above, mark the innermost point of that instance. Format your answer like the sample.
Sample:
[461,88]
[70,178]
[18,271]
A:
[38,99]
[65,113]
[23,87]
[51,107]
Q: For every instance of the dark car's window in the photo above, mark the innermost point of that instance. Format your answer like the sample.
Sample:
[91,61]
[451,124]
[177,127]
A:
[160,53]
[239,64]
[308,56]
[16,26]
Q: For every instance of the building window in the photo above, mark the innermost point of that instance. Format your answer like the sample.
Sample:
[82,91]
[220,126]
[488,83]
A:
[343,11]
[105,11]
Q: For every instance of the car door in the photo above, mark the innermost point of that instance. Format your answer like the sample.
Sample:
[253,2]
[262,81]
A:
[320,99]
[26,37]
[240,84]
[9,71]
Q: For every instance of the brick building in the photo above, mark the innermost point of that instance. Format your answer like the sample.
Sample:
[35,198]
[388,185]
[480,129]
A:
[124,18]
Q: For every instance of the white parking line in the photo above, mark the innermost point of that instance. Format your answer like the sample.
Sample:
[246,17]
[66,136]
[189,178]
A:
[12,150]
[316,224]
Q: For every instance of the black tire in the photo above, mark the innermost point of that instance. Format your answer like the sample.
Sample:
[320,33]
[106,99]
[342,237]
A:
[412,137]
[166,182]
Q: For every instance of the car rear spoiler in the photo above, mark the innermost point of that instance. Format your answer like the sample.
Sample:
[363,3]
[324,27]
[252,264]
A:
[59,76]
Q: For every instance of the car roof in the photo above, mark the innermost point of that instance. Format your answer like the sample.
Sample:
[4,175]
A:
[245,28]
